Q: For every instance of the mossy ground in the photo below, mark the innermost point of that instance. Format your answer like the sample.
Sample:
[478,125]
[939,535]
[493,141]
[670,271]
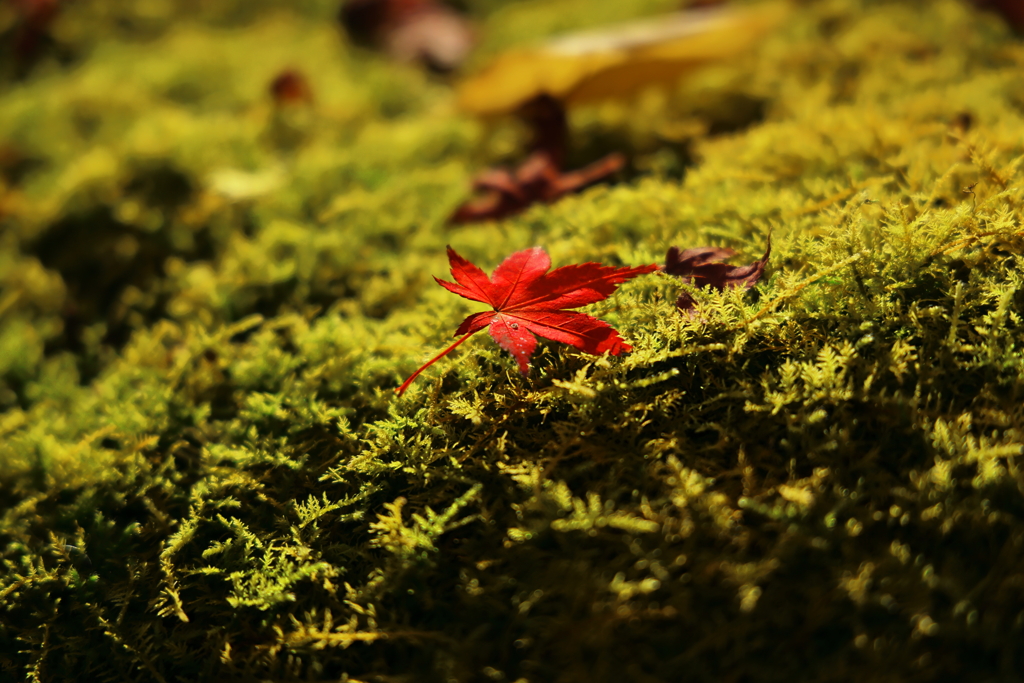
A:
[205,306]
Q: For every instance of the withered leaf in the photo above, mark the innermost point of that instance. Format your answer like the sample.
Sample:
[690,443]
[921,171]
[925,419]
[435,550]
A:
[538,179]
[424,31]
[703,267]
[291,87]
[502,192]
[1011,10]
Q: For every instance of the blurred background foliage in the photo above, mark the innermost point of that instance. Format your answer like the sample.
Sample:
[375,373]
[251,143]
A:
[207,297]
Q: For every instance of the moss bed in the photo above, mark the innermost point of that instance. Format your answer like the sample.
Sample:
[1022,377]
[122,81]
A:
[206,303]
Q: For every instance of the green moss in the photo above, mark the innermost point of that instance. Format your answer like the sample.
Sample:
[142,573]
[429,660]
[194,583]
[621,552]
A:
[205,306]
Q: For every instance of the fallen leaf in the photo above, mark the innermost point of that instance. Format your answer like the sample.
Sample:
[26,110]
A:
[1011,10]
[33,26]
[616,62]
[703,267]
[540,177]
[527,300]
[291,87]
[424,31]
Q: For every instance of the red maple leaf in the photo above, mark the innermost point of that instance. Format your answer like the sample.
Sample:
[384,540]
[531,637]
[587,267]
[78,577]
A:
[527,300]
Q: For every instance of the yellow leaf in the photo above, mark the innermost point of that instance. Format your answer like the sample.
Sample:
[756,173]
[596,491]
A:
[619,61]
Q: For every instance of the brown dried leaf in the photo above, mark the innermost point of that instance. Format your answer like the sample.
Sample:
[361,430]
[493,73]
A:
[702,266]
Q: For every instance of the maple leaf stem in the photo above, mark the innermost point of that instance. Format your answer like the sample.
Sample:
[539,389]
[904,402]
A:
[405,385]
